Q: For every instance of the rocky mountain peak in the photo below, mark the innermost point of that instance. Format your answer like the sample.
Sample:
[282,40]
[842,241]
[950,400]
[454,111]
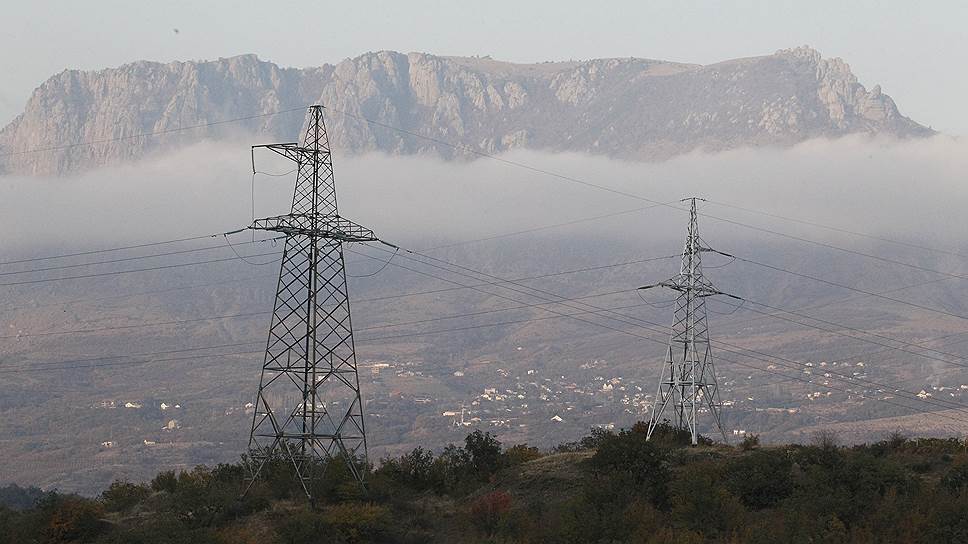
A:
[631,108]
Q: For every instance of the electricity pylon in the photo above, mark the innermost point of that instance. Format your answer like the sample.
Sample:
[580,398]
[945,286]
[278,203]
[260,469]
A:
[687,381]
[309,409]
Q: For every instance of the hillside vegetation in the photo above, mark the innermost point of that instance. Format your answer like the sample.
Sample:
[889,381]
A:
[606,488]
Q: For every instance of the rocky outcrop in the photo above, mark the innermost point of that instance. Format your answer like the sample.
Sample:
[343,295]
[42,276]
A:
[629,108]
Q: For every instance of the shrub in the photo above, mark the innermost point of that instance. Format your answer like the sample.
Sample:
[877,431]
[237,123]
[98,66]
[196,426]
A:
[629,462]
[761,479]
[450,469]
[165,481]
[825,439]
[414,469]
[896,440]
[347,522]
[357,522]
[591,442]
[750,442]
[521,453]
[490,510]
[302,527]
[122,496]
[700,503]
[956,479]
[19,498]
[74,519]
[669,435]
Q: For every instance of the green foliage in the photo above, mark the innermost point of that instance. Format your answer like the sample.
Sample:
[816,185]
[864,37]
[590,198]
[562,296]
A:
[628,465]
[521,453]
[347,523]
[669,435]
[700,502]
[165,481]
[417,467]
[456,469]
[490,510]
[591,442]
[750,442]
[19,498]
[956,479]
[123,495]
[620,488]
[485,453]
[761,479]
[73,519]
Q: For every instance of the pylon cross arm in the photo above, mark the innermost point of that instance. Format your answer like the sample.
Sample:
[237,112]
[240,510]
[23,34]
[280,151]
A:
[293,151]
[324,226]
[682,286]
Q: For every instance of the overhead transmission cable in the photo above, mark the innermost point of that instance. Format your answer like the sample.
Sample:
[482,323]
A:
[599,311]
[120,272]
[128,259]
[595,310]
[472,150]
[251,314]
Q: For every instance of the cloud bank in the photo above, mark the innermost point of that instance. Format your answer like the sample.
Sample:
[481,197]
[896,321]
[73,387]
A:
[911,190]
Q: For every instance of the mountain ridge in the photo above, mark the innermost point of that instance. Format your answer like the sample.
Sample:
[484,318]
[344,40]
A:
[627,108]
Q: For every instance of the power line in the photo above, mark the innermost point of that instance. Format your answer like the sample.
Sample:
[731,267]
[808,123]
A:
[137,326]
[600,310]
[125,363]
[545,227]
[853,329]
[469,149]
[108,250]
[592,310]
[138,294]
[251,314]
[127,259]
[485,284]
[60,365]
[837,248]
[847,391]
[119,272]
[849,288]
[839,229]
[490,237]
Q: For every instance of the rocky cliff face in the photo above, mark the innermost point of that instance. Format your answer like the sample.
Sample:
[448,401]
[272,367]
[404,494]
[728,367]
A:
[629,108]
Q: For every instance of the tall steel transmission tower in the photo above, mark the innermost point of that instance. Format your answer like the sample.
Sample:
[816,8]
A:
[309,409]
[687,381]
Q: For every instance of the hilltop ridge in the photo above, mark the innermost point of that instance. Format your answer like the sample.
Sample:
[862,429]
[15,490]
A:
[606,487]
[628,108]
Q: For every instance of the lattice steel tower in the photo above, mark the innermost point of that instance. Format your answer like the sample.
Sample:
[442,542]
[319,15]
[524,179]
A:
[687,381]
[309,407]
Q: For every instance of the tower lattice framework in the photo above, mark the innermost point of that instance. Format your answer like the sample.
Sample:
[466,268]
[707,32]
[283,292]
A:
[687,381]
[309,408]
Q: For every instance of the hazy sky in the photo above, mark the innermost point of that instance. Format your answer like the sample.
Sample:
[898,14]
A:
[916,50]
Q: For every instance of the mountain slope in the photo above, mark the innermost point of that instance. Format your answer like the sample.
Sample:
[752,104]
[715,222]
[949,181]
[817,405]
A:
[628,108]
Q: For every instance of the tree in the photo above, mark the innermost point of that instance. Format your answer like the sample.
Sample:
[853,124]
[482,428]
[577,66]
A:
[629,462]
[165,481]
[521,453]
[701,503]
[123,495]
[956,479]
[761,479]
[74,519]
[750,442]
[485,453]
